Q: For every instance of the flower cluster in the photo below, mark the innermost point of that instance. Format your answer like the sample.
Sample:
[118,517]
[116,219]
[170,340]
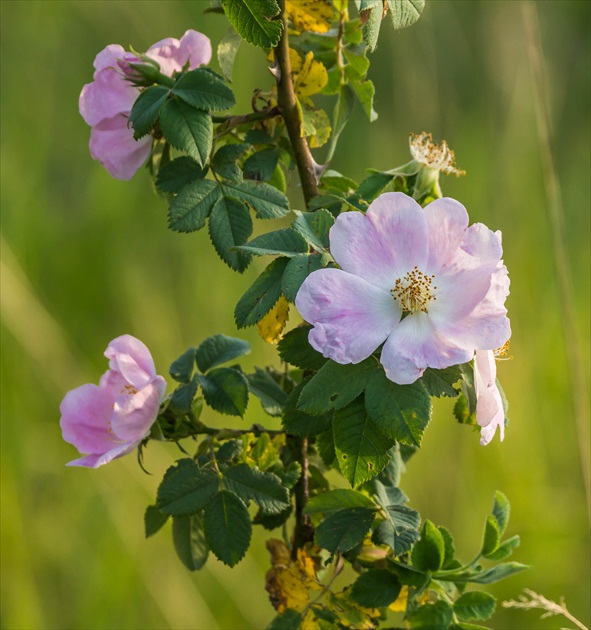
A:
[105,104]
[108,420]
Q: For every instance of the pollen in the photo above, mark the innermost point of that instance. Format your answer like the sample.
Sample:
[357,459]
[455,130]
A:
[129,389]
[414,291]
[431,155]
[502,352]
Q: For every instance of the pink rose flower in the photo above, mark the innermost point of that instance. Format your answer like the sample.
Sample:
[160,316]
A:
[490,413]
[105,104]
[420,281]
[108,420]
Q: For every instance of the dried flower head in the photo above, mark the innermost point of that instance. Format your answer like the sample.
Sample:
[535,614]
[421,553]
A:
[431,155]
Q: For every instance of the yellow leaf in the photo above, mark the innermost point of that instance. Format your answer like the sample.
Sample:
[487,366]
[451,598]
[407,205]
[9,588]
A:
[322,128]
[310,15]
[309,76]
[399,605]
[273,323]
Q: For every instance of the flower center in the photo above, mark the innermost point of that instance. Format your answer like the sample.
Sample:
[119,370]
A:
[435,156]
[501,353]
[414,291]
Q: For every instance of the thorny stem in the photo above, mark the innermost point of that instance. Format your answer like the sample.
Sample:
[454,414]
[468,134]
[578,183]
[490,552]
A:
[289,111]
[242,119]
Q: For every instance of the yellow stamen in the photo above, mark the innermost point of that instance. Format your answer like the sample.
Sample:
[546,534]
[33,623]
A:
[414,291]
[501,353]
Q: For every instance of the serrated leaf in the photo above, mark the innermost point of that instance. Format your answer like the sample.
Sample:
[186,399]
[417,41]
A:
[261,296]
[271,326]
[187,129]
[310,15]
[226,52]
[230,226]
[297,270]
[373,185]
[371,27]
[254,21]
[181,369]
[175,175]
[404,13]
[475,605]
[325,448]
[260,166]
[441,382]
[295,350]
[404,517]
[226,391]
[344,529]
[289,619]
[182,397]
[336,500]
[219,349]
[296,422]
[400,412]
[377,588]
[314,227]
[266,201]
[501,511]
[263,386]
[342,112]
[229,450]
[428,554]
[286,242]
[202,89]
[335,385]
[224,161]
[189,541]
[227,527]
[186,488]
[191,207]
[365,92]
[263,488]
[437,616]
[491,536]
[490,576]
[361,450]
[400,541]
[146,108]
[450,548]
[505,549]
[154,520]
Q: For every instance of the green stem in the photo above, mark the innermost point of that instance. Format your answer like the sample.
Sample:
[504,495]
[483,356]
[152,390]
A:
[243,119]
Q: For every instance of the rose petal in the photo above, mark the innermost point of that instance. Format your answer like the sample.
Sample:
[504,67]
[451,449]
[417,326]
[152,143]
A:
[132,359]
[107,96]
[135,412]
[96,460]
[173,54]
[448,221]
[351,317]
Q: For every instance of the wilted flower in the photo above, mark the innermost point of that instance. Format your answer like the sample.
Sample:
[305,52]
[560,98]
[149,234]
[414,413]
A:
[437,157]
[108,420]
[490,412]
[105,104]
[420,280]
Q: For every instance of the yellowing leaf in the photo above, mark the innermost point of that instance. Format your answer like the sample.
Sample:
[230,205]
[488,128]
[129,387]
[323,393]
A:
[322,128]
[402,600]
[309,76]
[273,323]
[310,15]
[351,614]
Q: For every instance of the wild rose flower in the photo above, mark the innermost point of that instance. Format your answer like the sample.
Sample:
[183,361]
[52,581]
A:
[105,104]
[108,420]
[490,413]
[418,280]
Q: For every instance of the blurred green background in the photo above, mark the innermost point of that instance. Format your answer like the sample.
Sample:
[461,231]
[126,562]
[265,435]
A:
[86,258]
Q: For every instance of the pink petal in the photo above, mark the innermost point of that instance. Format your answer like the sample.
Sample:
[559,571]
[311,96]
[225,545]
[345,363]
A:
[96,460]
[385,243]
[107,96]
[108,57]
[173,54]
[132,359]
[351,317]
[448,221]
[113,145]
[414,345]
[135,412]
[490,413]
[86,412]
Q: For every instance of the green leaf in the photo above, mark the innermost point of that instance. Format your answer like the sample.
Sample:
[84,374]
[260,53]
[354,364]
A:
[335,385]
[326,449]
[227,49]
[219,349]
[437,616]
[490,576]
[146,108]
[501,511]
[175,175]
[440,382]
[377,588]
[342,111]
[182,397]
[266,201]
[461,625]
[505,549]
[264,387]
[475,605]
[189,541]
[289,619]
[191,207]
[344,529]
[226,391]
[187,129]
[202,89]
[295,350]
[405,13]
[371,28]
[229,450]
[428,554]
[296,422]
[227,527]
[400,412]
[286,242]
[230,226]
[256,21]
[181,369]
[297,270]
[361,450]
[404,517]
[365,91]
[186,488]
[260,166]
[261,296]
[314,227]
[400,541]
[462,412]
[336,500]
[373,185]
[450,548]
[224,161]
[491,536]
[263,488]
[154,520]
